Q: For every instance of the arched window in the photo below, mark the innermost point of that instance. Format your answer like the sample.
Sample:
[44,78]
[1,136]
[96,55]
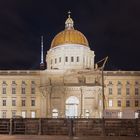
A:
[72,107]
[72,59]
[66,59]
[77,59]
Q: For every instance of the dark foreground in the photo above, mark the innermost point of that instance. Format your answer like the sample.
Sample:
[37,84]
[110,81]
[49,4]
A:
[46,137]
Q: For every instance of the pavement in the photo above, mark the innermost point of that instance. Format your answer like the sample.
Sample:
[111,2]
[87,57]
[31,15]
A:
[55,137]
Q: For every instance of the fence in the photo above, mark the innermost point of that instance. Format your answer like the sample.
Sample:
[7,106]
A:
[71,127]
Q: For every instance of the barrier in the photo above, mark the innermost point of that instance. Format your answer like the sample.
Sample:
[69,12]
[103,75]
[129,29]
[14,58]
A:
[70,126]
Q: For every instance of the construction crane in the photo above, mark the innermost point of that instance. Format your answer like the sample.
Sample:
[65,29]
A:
[103,62]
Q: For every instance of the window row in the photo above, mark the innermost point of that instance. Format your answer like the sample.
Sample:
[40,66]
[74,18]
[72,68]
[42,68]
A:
[14,90]
[119,91]
[14,102]
[67,59]
[119,103]
[13,83]
[14,114]
[110,83]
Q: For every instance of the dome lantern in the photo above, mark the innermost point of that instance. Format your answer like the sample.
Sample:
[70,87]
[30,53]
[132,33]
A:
[69,22]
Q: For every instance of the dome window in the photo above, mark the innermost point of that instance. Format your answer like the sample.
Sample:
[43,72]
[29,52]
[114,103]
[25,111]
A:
[66,59]
[72,59]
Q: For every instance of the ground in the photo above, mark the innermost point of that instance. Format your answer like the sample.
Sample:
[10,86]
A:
[46,137]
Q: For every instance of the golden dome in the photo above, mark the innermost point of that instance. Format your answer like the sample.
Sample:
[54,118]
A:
[69,35]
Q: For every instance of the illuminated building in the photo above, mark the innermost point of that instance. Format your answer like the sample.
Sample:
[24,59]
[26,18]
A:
[71,86]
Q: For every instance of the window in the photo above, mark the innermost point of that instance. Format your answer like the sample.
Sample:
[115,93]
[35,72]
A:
[110,83]
[119,91]
[136,115]
[32,102]
[59,59]
[23,114]
[127,103]
[127,91]
[110,103]
[13,90]
[33,114]
[54,113]
[13,102]
[87,113]
[3,114]
[4,90]
[33,90]
[3,102]
[23,86]
[55,60]
[32,82]
[120,114]
[23,102]
[77,59]
[66,59]
[72,59]
[136,91]
[23,90]
[110,91]
[13,114]
[136,103]
[119,103]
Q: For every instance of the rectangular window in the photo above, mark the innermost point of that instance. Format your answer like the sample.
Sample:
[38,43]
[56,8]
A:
[59,59]
[136,103]
[22,90]
[110,103]
[33,114]
[119,103]
[3,114]
[32,90]
[127,91]
[55,60]
[136,91]
[13,102]
[72,59]
[3,90]
[66,59]
[13,114]
[110,91]
[119,91]
[127,103]
[23,114]
[13,90]
[77,59]
[3,102]
[32,102]
[23,102]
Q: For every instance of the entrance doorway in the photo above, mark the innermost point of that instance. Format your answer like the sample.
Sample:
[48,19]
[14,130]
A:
[72,107]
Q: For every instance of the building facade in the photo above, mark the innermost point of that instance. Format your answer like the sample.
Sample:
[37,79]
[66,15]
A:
[70,86]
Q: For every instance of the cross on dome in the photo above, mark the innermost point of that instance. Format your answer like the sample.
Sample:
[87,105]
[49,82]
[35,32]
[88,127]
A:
[69,12]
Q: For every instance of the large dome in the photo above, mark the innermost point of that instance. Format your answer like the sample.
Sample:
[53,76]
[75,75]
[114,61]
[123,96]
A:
[69,36]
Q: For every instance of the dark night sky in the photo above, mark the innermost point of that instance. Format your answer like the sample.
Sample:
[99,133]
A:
[112,28]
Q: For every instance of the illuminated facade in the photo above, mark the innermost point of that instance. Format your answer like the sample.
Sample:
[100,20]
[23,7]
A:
[71,86]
